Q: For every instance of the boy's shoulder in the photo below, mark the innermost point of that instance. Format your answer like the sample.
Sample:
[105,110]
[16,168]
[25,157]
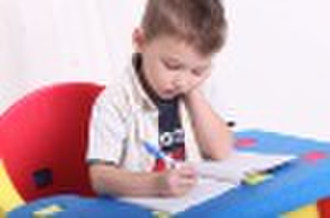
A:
[120,91]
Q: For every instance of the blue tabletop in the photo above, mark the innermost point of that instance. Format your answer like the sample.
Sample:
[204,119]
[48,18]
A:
[297,184]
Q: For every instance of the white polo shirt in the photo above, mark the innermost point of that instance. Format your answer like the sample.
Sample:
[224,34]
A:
[123,117]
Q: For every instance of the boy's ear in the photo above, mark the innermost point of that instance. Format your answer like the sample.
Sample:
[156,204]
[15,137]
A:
[138,39]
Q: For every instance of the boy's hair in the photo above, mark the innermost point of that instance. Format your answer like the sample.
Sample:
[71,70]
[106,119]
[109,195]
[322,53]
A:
[200,23]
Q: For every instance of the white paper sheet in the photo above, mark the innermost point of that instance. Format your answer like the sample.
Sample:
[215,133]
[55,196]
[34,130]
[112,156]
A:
[215,179]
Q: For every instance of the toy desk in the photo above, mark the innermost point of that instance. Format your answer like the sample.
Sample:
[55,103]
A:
[295,185]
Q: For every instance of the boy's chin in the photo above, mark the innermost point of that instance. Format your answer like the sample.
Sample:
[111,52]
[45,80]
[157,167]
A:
[170,96]
[167,97]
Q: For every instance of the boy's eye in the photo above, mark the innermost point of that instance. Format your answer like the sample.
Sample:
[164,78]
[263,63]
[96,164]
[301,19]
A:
[172,66]
[197,72]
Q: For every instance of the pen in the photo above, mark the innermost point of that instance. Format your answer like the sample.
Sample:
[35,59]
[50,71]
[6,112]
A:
[159,154]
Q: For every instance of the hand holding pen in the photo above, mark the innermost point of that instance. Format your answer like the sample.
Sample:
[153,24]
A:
[177,180]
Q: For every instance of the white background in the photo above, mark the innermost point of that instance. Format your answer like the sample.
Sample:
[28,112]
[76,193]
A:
[274,72]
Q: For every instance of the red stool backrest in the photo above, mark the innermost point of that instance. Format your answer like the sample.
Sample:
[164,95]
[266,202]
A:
[43,140]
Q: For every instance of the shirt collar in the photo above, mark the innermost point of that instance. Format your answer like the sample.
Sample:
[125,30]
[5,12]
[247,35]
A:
[139,91]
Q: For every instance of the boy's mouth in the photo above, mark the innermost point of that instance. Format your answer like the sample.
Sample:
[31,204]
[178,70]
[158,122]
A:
[170,93]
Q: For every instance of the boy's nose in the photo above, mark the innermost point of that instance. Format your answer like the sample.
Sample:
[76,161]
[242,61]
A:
[178,83]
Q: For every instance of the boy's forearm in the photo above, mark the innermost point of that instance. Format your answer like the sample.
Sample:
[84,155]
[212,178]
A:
[113,181]
[211,132]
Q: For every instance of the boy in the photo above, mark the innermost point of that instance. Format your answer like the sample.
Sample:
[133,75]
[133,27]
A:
[158,102]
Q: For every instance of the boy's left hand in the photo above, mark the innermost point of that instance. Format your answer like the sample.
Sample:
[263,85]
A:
[192,94]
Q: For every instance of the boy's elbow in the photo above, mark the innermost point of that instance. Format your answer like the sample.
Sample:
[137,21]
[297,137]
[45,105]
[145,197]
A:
[228,147]
[225,150]
[222,153]
[96,180]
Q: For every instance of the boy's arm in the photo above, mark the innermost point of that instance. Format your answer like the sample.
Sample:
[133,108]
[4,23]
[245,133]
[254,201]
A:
[109,179]
[211,132]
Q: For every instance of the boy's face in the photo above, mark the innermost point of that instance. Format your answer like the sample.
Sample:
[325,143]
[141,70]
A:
[171,66]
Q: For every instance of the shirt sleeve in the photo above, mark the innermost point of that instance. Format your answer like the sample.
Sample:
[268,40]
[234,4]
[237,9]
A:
[106,132]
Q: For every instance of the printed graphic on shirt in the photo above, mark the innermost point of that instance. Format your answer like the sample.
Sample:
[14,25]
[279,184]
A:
[167,139]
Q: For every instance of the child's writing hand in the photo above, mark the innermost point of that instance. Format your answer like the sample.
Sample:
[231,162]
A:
[176,182]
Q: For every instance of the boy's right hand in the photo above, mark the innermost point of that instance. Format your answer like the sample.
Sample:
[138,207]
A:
[176,182]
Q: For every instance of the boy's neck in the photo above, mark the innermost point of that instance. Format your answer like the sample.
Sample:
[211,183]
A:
[137,64]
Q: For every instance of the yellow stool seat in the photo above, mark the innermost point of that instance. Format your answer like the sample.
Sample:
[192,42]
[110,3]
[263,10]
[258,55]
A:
[309,211]
[9,197]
